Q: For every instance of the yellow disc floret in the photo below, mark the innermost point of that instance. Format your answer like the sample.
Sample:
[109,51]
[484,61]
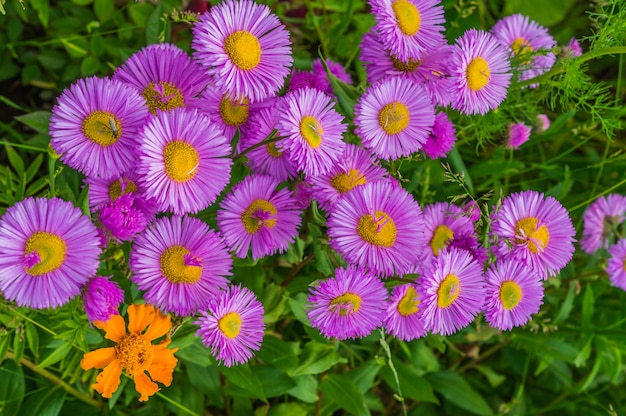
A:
[441,236]
[380,231]
[163,96]
[477,74]
[258,214]
[50,249]
[510,294]
[234,112]
[344,182]
[448,291]
[409,302]
[394,117]
[526,231]
[407,16]
[181,161]
[176,269]
[135,353]
[346,304]
[102,127]
[311,131]
[243,49]
[230,324]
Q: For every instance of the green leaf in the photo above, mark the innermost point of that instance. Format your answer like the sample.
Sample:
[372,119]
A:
[46,401]
[15,160]
[104,9]
[278,353]
[317,358]
[545,345]
[32,338]
[274,381]
[546,13]
[12,388]
[37,120]
[18,347]
[567,305]
[5,341]
[288,409]
[89,66]
[31,72]
[457,391]
[306,389]
[412,385]
[241,376]
[588,307]
[33,168]
[493,378]
[342,390]
[297,307]
[140,13]
[153,26]
[57,355]
[43,11]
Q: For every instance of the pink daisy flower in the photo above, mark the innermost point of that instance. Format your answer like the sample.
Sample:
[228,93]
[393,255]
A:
[102,298]
[519,133]
[616,265]
[403,319]
[443,222]
[600,222]
[442,137]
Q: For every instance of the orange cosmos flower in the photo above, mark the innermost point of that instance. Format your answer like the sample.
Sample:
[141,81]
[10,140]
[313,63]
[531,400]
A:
[134,352]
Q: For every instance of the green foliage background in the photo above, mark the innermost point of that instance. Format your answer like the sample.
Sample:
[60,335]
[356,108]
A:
[568,360]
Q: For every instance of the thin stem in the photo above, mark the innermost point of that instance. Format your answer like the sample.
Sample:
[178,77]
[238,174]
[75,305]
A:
[54,379]
[27,147]
[487,353]
[270,139]
[297,268]
[180,406]
[593,198]
[385,346]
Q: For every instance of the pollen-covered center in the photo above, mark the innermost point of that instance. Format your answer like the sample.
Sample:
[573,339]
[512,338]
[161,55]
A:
[102,127]
[135,353]
[379,230]
[311,130]
[346,304]
[179,267]
[243,49]
[46,253]
[181,161]
[394,117]
[448,291]
[526,231]
[117,189]
[163,96]
[441,236]
[510,294]
[405,66]
[408,305]
[234,112]
[521,46]
[273,151]
[260,213]
[230,324]
[344,182]
[407,16]
[477,74]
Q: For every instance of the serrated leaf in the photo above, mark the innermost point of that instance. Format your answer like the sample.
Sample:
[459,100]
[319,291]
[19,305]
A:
[37,120]
[456,390]
[241,376]
[316,358]
[57,355]
[342,390]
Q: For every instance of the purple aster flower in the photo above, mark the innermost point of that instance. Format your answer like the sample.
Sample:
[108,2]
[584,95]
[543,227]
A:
[525,38]
[394,118]
[513,292]
[123,218]
[95,124]
[244,47]
[431,70]
[256,215]
[441,138]
[542,124]
[303,193]
[311,131]
[48,251]
[266,159]
[335,68]
[409,28]
[519,133]
[534,230]
[469,242]
[480,73]
[103,191]
[180,263]
[451,291]
[233,326]
[184,161]
[102,297]
[572,50]
[349,305]
[164,75]
[403,319]
[307,79]
[600,222]
[616,265]
[472,210]
[379,227]
[443,222]
[355,168]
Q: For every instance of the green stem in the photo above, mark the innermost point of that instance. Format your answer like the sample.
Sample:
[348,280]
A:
[613,50]
[593,198]
[180,406]
[27,147]
[270,139]
[54,379]
[393,369]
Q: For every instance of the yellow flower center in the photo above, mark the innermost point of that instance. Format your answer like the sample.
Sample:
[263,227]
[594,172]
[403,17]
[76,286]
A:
[163,96]
[260,213]
[243,49]
[135,353]
[521,46]
[230,324]
[312,131]
[441,236]
[176,269]
[346,304]
[234,112]
[477,74]
[273,151]
[102,127]
[448,291]
[537,238]
[51,250]
[403,66]
[380,231]
[394,117]
[407,16]
[115,189]
[343,182]
[181,161]
[409,302]
[510,294]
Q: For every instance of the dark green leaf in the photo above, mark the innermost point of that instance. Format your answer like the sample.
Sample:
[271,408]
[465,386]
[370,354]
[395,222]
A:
[567,305]
[46,401]
[457,391]
[278,353]
[5,341]
[32,338]
[288,409]
[104,9]
[89,66]
[37,120]
[412,385]
[140,13]
[588,307]
[31,72]
[33,168]
[316,358]
[241,376]
[342,390]
[15,160]
[305,389]
[43,11]
[19,345]
[274,381]
[153,26]
[57,355]
[12,388]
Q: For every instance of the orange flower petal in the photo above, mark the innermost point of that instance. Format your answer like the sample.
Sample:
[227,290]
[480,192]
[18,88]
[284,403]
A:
[139,317]
[108,380]
[98,359]
[163,364]
[145,386]
[159,327]
[115,328]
